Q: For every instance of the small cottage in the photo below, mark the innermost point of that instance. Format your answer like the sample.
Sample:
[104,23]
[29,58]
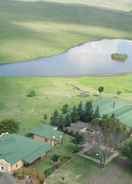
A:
[47,134]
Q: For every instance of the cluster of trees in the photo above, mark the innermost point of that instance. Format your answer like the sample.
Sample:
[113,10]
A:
[9,125]
[111,127]
[82,112]
[89,114]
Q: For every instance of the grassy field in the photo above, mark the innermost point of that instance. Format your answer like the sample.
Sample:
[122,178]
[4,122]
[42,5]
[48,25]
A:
[52,93]
[82,171]
[33,29]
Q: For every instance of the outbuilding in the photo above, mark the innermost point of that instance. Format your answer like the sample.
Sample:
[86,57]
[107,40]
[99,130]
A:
[47,134]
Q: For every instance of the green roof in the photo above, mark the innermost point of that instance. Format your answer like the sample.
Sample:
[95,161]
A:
[48,132]
[15,147]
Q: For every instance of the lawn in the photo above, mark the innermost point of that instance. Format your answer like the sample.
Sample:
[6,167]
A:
[82,171]
[52,93]
[34,29]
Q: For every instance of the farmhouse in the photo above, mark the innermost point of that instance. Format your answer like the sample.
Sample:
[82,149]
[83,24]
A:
[47,134]
[17,151]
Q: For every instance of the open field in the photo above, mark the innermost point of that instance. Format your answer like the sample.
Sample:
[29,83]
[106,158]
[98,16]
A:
[82,171]
[34,29]
[52,93]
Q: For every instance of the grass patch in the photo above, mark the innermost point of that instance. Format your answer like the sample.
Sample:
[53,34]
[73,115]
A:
[119,57]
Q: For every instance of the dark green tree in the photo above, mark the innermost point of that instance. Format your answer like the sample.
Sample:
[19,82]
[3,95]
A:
[80,111]
[61,122]
[67,120]
[88,112]
[55,118]
[74,114]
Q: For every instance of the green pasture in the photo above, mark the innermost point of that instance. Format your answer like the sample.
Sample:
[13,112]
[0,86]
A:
[52,93]
[34,29]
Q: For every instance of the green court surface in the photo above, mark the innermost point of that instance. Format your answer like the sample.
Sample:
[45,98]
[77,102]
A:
[122,109]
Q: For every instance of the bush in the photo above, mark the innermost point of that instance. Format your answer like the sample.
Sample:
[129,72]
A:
[76,149]
[49,171]
[9,125]
[119,57]
[101,89]
[119,92]
[31,93]
[55,158]
[78,139]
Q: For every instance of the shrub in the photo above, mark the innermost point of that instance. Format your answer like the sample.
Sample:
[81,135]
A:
[49,171]
[76,149]
[126,149]
[118,92]
[101,89]
[9,125]
[55,158]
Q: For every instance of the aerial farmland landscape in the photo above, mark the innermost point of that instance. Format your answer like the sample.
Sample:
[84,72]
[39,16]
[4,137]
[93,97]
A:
[65,92]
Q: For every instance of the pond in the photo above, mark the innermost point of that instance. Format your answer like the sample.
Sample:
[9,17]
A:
[89,59]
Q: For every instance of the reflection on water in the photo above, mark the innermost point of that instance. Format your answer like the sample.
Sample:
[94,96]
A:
[93,58]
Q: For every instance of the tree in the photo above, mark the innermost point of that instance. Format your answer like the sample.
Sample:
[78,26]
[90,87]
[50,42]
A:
[55,118]
[78,139]
[96,113]
[65,109]
[45,117]
[67,120]
[101,89]
[61,122]
[88,112]
[74,114]
[9,125]
[126,149]
[80,111]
